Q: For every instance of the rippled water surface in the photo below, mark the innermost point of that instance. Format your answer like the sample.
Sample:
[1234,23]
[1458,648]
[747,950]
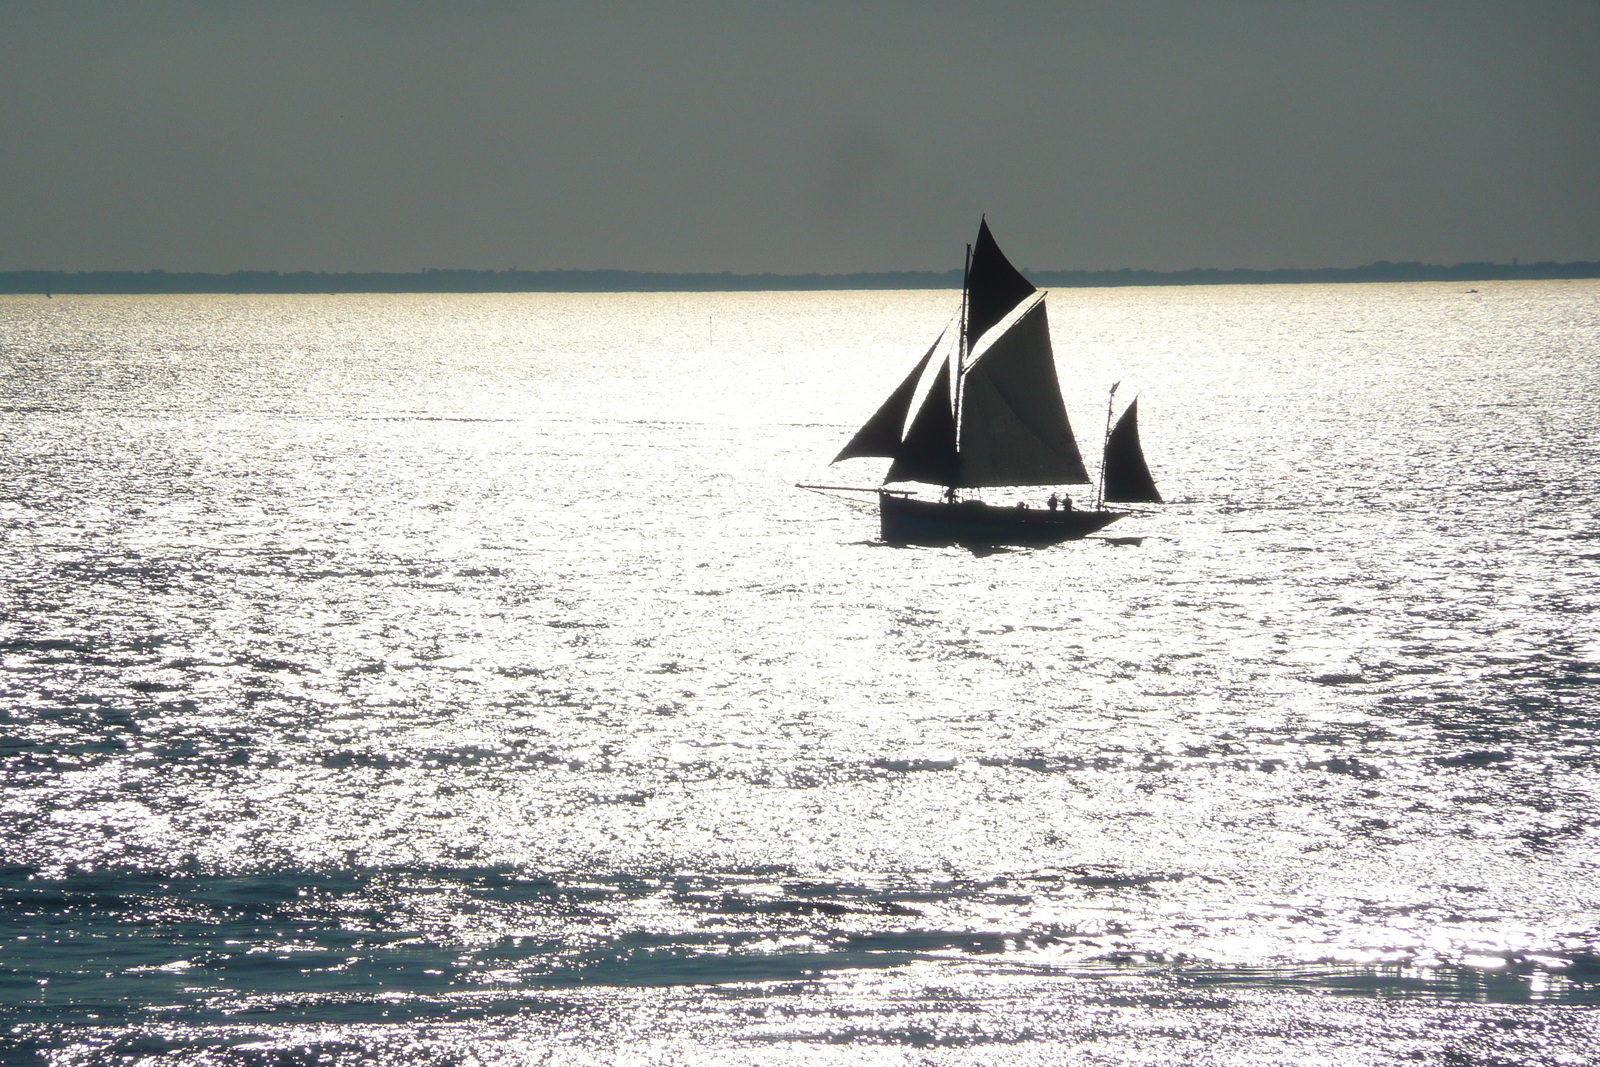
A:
[462,680]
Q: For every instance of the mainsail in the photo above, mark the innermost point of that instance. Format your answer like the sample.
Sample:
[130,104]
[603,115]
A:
[1014,428]
[994,286]
[1127,476]
[881,434]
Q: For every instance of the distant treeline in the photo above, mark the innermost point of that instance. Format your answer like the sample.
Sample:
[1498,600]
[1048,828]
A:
[632,281]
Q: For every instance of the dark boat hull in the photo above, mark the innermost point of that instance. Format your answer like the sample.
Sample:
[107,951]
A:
[907,521]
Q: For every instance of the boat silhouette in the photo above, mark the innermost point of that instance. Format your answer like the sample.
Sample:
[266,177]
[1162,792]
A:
[992,416]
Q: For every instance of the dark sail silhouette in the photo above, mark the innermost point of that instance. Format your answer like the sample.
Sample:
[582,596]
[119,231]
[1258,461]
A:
[928,453]
[994,286]
[991,418]
[1127,476]
[1014,428]
[881,434]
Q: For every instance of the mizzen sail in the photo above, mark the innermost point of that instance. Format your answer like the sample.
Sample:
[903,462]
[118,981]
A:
[1014,428]
[1127,476]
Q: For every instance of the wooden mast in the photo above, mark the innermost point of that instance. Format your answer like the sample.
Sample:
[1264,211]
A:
[961,355]
[1105,442]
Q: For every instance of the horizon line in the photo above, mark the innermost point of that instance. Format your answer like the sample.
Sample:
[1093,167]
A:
[155,281]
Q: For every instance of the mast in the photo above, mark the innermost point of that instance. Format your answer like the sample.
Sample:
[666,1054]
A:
[961,344]
[1110,402]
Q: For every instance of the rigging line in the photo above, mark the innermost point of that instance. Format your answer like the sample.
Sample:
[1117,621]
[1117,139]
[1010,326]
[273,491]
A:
[853,489]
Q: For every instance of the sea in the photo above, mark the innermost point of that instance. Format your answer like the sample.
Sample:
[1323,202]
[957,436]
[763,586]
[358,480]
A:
[463,680]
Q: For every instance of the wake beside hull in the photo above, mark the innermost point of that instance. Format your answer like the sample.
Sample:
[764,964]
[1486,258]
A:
[907,521]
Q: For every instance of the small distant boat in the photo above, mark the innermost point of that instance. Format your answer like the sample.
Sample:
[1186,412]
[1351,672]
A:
[992,416]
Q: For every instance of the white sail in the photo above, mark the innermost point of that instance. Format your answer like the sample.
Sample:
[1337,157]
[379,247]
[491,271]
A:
[1014,428]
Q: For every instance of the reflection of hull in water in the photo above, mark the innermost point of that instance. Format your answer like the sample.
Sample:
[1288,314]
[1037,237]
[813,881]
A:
[907,521]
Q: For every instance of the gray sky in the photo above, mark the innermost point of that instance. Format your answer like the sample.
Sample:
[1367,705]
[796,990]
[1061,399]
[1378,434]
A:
[748,136]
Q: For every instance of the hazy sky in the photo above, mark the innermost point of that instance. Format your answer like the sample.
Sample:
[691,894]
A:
[750,136]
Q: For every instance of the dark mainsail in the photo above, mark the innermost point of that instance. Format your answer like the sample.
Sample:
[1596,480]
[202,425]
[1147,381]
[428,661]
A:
[1127,477]
[928,453]
[881,434]
[994,286]
[1014,428]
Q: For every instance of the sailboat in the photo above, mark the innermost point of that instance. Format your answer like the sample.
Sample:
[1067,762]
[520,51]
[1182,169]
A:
[992,416]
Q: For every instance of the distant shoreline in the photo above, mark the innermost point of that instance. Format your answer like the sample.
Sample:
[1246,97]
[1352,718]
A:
[630,281]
